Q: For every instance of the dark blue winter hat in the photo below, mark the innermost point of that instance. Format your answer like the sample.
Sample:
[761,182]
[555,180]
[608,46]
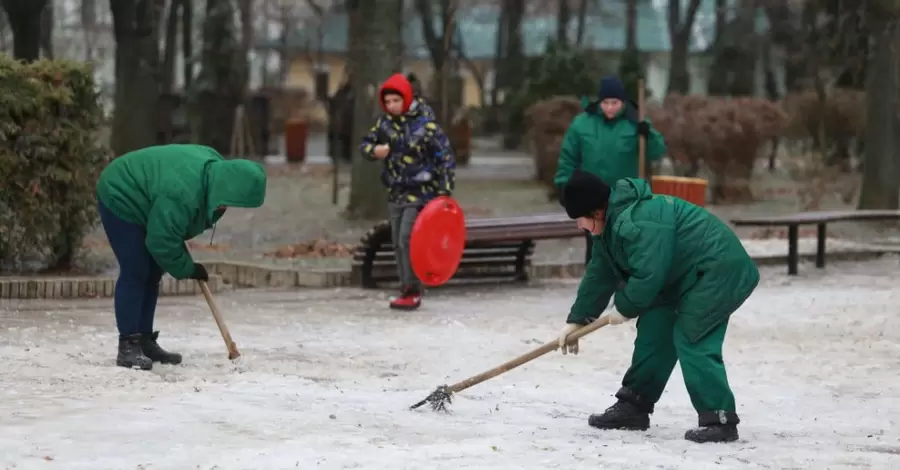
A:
[611,87]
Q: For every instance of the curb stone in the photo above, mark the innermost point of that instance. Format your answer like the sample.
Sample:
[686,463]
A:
[90,287]
[249,275]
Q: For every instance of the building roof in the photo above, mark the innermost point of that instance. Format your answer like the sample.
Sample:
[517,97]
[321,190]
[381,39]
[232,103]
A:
[477,31]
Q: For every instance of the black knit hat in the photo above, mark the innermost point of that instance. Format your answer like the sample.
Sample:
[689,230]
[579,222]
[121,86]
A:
[584,194]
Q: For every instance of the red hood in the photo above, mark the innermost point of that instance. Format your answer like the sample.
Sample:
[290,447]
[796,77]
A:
[399,84]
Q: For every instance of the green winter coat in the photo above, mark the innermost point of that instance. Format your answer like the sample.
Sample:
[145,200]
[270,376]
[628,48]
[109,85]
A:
[174,191]
[658,250]
[607,148]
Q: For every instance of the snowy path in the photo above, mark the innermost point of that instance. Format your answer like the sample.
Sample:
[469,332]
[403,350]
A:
[814,362]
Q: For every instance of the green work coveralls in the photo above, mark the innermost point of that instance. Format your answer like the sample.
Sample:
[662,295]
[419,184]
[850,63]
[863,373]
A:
[682,272]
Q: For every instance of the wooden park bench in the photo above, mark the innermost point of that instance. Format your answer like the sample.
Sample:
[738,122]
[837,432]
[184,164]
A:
[497,249]
[818,218]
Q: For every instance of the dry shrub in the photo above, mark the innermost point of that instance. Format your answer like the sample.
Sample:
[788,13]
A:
[843,115]
[547,122]
[725,134]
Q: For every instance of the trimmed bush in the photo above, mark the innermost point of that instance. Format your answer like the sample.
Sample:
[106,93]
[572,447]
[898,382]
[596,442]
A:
[547,122]
[724,134]
[49,162]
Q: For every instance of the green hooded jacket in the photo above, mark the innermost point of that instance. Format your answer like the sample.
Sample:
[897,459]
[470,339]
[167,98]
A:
[174,191]
[607,148]
[658,250]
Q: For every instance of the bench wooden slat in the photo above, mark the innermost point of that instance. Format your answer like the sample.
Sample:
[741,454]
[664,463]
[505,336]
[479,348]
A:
[817,217]
[496,247]
[821,219]
[467,254]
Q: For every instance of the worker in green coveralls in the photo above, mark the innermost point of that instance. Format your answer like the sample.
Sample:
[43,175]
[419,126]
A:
[681,272]
[603,140]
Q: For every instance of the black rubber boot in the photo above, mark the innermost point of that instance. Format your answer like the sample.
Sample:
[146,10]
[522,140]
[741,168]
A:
[152,350]
[715,426]
[630,413]
[130,354]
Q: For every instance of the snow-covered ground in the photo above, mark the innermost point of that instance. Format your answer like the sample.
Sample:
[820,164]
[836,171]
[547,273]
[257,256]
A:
[327,376]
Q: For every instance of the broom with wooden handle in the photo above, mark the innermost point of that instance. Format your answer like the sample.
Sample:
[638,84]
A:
[443,395]
[223,328]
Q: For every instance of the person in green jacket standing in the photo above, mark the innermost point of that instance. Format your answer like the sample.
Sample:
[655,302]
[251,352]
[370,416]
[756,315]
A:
[681,272]
[150,201]
[603,140]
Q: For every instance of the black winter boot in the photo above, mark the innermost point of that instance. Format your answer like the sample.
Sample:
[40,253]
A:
[630,413]
[715,426]
[130,354]
[152,350]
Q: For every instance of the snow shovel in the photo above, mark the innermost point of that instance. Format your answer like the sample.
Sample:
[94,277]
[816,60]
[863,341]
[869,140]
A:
[223,329]
[443,395]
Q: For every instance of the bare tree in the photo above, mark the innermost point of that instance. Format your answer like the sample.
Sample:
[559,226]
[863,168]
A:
[136,28]
[563,16]
[24,17]
[881,185]
[376,34]
[680,31]
[88,14]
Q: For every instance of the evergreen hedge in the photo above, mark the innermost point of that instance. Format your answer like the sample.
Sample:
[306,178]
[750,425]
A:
[50,159]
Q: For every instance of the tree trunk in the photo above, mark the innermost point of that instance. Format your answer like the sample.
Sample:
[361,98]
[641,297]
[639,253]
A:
[631,25]
[170,47]
[880,185]
[679,76]
[499,51]
[680,30]
[47,30]
[25,21]
[514,69]
[743,81]
[88,13]
[563,16]
[438,40]
[187,42]
[582,20]
[220,87]
[136,30]
[376,32]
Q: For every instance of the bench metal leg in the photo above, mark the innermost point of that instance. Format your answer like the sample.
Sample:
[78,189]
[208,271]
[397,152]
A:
[820,246]
[522,261]
[793,255]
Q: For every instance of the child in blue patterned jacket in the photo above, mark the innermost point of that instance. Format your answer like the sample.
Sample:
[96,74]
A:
[418,165]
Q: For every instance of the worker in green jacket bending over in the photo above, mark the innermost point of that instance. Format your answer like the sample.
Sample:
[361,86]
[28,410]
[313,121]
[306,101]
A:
[603,140]
[681,272]
[150,201]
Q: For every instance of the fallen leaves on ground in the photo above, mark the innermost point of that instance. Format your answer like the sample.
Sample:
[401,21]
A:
[317,248]
[208,247]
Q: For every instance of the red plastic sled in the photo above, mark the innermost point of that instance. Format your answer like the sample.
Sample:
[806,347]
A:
[437,241]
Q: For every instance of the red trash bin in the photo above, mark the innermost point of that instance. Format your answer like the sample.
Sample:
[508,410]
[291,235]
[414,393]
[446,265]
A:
[296,130]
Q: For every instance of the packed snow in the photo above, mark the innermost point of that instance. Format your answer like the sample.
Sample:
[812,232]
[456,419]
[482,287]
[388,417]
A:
[327,376]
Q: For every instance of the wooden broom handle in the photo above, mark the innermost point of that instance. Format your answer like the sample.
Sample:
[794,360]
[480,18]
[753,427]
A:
[233,352]
[642,141]
[547,347]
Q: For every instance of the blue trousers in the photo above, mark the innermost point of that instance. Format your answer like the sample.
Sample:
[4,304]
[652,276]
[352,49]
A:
[137,287]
